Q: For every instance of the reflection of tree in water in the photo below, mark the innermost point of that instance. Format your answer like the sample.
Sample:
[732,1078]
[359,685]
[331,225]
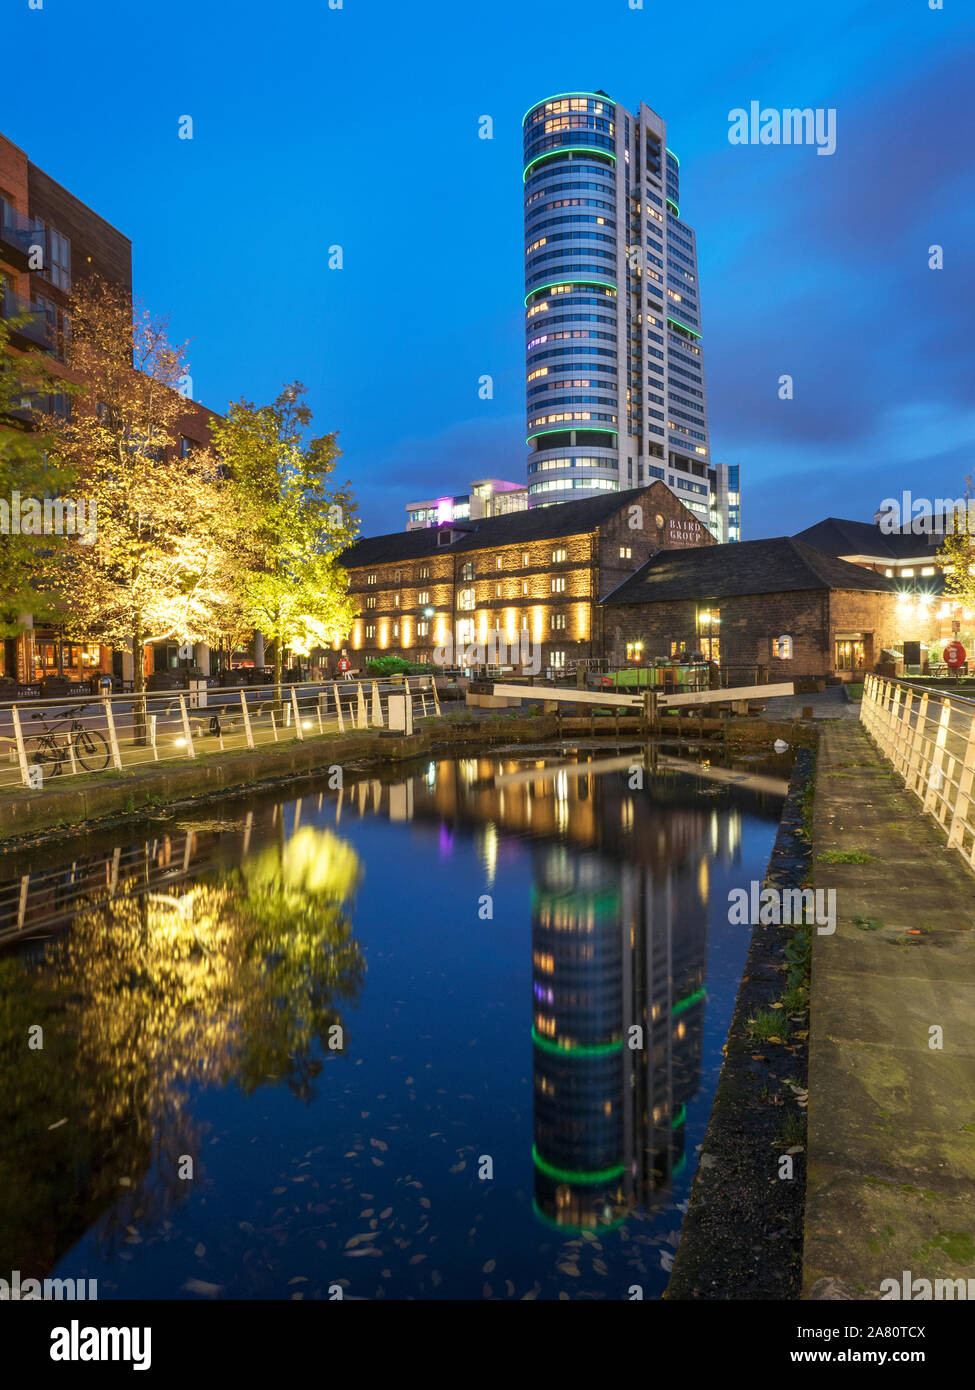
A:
[234,980]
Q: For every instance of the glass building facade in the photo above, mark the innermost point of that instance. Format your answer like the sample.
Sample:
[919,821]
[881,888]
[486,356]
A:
[615,380]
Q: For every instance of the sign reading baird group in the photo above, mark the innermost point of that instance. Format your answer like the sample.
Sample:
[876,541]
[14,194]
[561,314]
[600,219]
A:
[683,530]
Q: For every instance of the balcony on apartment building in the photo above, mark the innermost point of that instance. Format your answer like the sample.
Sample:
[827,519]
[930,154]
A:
[18,234]
[27,326]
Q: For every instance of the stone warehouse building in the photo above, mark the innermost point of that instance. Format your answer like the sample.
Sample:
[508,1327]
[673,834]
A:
[778,604]
[540,573]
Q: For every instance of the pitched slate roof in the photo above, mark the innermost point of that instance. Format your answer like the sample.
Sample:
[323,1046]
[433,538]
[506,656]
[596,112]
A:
[536,524]
[743,567]
[840,537]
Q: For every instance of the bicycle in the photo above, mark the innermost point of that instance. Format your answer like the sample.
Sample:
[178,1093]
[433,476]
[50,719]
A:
[90,746]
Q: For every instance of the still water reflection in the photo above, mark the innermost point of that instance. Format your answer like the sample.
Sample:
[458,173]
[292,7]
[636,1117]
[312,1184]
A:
[450,1036]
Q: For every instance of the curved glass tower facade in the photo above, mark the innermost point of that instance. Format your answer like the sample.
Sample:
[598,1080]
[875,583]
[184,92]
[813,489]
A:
[614,362]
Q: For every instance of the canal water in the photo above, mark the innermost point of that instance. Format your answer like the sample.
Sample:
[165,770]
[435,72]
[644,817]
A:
[451,1034]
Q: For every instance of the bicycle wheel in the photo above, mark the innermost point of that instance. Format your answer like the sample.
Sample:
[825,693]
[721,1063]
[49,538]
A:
[91,750]
[45,753]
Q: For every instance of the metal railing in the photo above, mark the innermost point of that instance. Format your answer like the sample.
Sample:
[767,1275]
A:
[47,740]
[929,739]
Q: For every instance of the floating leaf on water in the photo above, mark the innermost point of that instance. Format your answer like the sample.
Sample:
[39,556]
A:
[377,1161]
[487,1291]
[424,1201]
[201,1286]
[367,1213]
[509,1288]
[58,1123]
[415,1259]
[386,1214]
[200,1250]
[378,1144]
[459,1166]
[299,1279]
[489,1267]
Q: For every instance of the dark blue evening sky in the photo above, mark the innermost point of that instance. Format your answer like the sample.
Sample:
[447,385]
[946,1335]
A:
[359,126]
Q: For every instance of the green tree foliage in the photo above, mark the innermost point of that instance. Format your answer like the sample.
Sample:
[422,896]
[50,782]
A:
[292,523]
[957,555]
[160,566]
[27,469]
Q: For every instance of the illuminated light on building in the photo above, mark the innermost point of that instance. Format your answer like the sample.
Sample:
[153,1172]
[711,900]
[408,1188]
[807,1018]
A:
[445,510]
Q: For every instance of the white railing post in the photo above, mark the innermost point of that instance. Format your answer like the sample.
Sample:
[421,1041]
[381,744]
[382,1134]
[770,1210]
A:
[915,762]
[963,800]
[187,731]
[19,740]
[248,733]
[937,760]
[112,738]
[436,697]
[361,714]
[338,707]
[377,707]
[299,731]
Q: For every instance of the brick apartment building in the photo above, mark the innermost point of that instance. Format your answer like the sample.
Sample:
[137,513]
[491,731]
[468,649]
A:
[541,572]
[779,604]
[38,215]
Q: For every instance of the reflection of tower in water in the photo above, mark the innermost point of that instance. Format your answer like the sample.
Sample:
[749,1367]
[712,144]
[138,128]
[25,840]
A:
[617,944]
[578,1039]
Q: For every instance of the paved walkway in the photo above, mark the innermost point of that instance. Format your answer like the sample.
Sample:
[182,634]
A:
[891,1142]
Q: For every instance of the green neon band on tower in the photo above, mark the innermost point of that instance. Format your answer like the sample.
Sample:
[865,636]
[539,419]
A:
[571,1175]
[686,1002]
[540,289]
[576,1049]
[568,149]
[560,96]
[571,1228]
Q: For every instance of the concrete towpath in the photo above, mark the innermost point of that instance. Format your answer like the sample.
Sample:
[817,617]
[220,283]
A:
[891,1113]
